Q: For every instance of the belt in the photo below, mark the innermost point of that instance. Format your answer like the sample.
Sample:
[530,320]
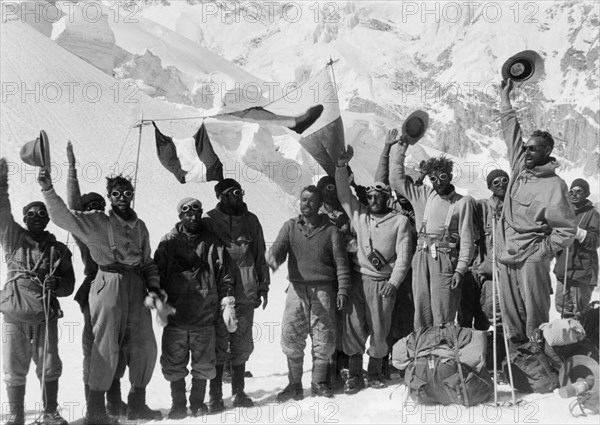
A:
[119,268]
[434,245]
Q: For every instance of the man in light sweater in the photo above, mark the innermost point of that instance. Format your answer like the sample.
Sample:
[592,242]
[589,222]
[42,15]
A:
[119,243]
[446,237]
[382,261]
[537,222]
[320,278]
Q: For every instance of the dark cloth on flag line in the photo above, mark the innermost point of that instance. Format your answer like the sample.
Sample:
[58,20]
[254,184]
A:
[191,159]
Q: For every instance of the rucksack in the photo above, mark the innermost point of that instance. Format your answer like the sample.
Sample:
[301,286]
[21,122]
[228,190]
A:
[590,320]
[435,380]
[532,370]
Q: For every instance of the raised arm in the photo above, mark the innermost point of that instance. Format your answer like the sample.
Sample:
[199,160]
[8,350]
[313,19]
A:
[383,168]
[416,195]
[345,196]
[511,129]
[73,191]
[9,229]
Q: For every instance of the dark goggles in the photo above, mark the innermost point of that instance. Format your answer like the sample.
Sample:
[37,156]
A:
[95,205]
[235,192]
[576,192]
[442,177]
[378,187]
[118,193]
[39,213]
[193,207]
[499,181]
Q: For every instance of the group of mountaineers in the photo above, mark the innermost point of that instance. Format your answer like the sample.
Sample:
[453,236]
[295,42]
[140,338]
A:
[364,264]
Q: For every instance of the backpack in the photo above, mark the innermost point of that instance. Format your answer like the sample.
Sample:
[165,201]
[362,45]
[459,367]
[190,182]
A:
[436,374]
[591,323]
[532,370]
[435,380]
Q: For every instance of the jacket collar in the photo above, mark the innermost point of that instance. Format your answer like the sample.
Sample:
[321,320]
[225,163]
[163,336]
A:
[587,205]
[546,170]
[219,209]
[129,223]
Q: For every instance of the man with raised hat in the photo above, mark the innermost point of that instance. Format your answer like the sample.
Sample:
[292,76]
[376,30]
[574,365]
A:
[384,241]
[120,244]
[39,269]
[581,259]
[196,272]
[251,279]
[446,238]
[91,202]
[537,222]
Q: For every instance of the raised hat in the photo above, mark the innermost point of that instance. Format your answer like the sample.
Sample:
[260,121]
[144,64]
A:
[415,126]
[527,65]
[37,152]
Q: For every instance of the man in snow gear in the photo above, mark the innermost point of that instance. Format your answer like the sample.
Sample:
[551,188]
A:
[537,222]
[319,275]
[384,241]
[39,269]
[195,272]
[582,263]
[91,202]
[446,238]
[251,287]
[126,273]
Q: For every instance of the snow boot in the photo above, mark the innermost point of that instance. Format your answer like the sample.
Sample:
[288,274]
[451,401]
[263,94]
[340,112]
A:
[240,398]
[178,406]
[15,411]
[294,388]
[197,395]
[354,382]
[215,392]
[96,410]
[137,408]
[319,386]
[375,373]
[115,406]
[51,416]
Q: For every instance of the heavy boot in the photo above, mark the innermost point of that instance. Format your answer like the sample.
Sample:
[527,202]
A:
[96,410]
[294,388]
[240,398]
[115,406]
[178,406]
[319,386]
[51,416]
[15,411]
[197,395]
[137,408]
[355,381]
[215,392]
[374,373]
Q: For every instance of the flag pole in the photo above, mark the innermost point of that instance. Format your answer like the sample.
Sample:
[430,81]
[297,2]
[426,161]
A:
[137,160]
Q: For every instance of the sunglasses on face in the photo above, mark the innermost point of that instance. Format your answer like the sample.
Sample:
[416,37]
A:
[39,213]
[95,205]
[193,207]
[576,192]
[118,193]
[533,148]
[499,181]
[235,192]
[330,187]
[442,177]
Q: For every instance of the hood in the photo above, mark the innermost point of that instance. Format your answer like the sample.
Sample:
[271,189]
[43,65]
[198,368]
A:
[219,209]
[546,170]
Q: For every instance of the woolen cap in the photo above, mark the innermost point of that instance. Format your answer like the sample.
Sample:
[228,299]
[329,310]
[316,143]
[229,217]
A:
[582,184]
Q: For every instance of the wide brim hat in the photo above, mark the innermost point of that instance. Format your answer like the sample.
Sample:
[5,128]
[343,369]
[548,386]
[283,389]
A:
[37,152]
[577,368]
[525,66]
[415,126]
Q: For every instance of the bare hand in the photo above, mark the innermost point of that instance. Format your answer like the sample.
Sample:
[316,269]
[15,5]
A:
[3,172]
[457,279]
[341,302]
[271,261]
[392,137]
[51,283]
[44,179]
[387,291]
[346,156]
[403,144]
[507,87]
[70,154]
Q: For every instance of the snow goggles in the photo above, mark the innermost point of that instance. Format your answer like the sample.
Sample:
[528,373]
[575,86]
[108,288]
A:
[330,187]
[193,207]
[576,192]
[39,213]
[499,181]
[378,187]
[118,193]
[235,192]
[95,205]
[442,177]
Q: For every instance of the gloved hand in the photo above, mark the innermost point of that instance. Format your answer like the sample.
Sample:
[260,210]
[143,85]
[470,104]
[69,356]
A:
[228,310]
[52,283]
[153,295]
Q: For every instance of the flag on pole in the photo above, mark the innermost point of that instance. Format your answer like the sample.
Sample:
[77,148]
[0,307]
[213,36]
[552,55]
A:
[261,115]
[192,159]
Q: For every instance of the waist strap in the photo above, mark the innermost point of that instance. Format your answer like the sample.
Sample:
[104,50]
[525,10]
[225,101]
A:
[120,268]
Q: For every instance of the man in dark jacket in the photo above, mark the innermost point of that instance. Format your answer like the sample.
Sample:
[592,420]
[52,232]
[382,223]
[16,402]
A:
[91,202]
[251,279]
[196,272]
[573,296]
[39,265]
[319,272]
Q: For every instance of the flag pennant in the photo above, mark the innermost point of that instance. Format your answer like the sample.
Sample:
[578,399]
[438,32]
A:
[191,159]
[261,115]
